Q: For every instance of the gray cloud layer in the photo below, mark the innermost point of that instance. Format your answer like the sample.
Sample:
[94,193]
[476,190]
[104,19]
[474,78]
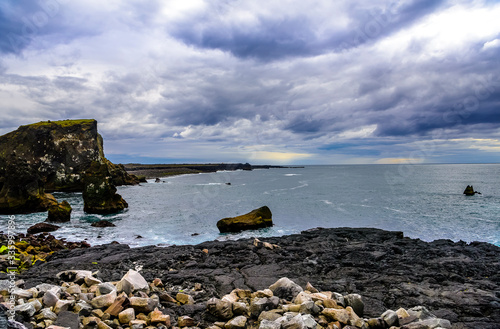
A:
[321,82]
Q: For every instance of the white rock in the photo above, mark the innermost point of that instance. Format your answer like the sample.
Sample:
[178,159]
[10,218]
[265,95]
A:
[132,281]
[266,324]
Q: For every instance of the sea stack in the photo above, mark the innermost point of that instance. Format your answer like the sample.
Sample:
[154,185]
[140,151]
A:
[51,156]
[469,190]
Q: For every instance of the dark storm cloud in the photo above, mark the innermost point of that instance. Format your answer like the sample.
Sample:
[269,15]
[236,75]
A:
[277,35]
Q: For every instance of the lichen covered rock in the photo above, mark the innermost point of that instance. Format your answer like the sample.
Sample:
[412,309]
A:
[60,213]
[258,218]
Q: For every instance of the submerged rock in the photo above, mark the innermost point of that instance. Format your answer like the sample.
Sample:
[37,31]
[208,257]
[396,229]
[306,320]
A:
[258,218]
[103,223]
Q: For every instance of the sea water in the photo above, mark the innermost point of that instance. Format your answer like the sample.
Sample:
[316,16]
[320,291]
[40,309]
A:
[423,201]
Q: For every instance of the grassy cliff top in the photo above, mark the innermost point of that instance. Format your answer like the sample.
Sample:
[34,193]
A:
[62,123]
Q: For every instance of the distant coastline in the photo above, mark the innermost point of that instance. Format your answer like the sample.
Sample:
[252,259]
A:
[163,170]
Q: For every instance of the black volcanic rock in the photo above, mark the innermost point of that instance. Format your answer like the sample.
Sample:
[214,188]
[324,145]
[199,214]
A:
[454,280]
[50,156]
[99,194]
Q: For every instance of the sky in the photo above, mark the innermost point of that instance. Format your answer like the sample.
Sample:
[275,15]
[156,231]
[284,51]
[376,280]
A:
[265,82]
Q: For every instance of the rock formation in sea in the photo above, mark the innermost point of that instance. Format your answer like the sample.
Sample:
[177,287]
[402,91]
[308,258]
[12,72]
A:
[50,156]
[257,218]
[469,190]
[59,212]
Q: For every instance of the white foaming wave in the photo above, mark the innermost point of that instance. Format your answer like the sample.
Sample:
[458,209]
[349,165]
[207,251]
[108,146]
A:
[209,184]
[300,186]
[326,201]
[289,175]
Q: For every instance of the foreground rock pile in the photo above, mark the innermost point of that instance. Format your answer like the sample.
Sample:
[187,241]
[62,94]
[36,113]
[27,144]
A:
[81,300]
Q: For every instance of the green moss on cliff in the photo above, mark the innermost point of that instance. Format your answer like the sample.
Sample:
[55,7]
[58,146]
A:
[62,123]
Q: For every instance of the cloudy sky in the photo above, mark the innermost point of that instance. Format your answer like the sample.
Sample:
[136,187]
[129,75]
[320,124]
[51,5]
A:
[289,81]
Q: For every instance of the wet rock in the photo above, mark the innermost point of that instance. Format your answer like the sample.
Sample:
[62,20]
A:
[42,227]
[258,218]
[102,223]
[60,213]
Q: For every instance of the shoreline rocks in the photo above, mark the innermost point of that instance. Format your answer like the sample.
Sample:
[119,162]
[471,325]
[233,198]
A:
[455,281]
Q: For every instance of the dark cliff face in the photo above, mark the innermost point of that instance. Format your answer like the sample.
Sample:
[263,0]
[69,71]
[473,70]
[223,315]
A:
[50,156]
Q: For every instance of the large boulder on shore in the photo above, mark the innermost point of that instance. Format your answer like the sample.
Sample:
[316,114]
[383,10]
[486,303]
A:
[258,218]
[50,156]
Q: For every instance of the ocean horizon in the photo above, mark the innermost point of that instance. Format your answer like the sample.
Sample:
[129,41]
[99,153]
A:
[423,201]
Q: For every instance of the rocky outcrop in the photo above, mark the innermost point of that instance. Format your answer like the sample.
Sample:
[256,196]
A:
[469,191]
[21,186]
[60,212]
[99,193]
[50,156]
[258,218]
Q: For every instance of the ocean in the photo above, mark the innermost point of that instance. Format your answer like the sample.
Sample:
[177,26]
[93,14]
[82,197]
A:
[423,201]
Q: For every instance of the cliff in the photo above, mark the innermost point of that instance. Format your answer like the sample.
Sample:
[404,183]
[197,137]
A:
[50,156]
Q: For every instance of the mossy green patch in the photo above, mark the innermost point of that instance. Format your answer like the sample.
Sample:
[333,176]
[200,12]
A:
[62,123]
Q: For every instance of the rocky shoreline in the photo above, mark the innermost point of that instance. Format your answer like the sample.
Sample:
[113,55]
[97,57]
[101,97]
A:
[163,170]
[456,282]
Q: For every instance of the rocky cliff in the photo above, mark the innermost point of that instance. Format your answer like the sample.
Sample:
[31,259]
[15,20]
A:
[50,156]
